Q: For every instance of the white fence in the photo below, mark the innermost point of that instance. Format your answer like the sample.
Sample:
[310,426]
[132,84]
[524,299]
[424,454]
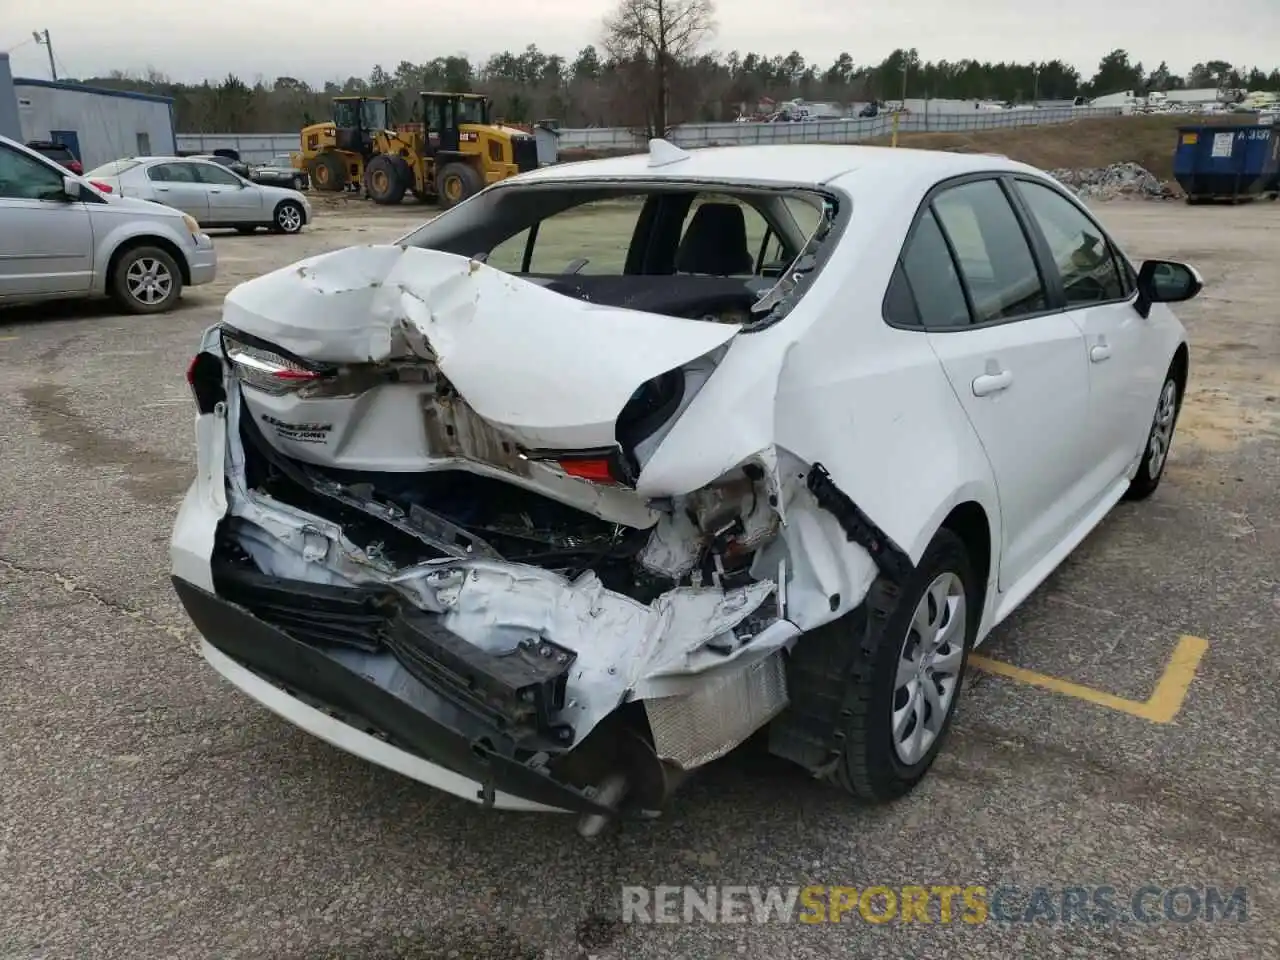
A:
[259,147]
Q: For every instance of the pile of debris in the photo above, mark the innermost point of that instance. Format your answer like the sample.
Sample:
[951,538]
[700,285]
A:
[1115,182]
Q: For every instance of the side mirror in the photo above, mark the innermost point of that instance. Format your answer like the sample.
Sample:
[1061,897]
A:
[1166,281]
[71,188]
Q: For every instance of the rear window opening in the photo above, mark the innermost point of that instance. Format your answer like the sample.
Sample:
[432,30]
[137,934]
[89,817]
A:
[724,253]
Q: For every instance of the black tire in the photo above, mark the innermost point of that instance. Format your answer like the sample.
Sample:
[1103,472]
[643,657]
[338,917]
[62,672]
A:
[288,217]
[842,679]
[328,173]
[246,229]
[383,181]
[1151,469]
[129,285]
[455,182]
[297,183]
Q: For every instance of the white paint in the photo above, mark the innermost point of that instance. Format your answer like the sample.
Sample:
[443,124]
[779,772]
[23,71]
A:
[511,348]
[898,418]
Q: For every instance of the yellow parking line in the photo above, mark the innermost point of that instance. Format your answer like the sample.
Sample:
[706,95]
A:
[1161,707]
[9,338]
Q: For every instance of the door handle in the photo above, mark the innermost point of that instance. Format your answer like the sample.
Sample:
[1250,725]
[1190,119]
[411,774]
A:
[162,189]
[1099,351]
[989,383]
[215,191]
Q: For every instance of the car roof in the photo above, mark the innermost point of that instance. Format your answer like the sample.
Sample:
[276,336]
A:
[803,164]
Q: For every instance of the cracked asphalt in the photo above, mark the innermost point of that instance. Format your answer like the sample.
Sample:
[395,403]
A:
[147,809]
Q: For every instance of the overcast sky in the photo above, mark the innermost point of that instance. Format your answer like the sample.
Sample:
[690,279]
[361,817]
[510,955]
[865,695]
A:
[198,39]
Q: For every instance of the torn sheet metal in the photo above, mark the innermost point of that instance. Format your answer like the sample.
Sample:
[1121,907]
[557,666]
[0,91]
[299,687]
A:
[619,641]
[513,349]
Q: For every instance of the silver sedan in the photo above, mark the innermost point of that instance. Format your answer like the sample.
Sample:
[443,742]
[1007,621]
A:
[214,195]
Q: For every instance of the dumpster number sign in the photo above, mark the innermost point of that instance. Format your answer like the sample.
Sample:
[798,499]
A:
[1222,143]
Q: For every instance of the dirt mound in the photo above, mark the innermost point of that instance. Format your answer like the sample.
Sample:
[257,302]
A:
[1076,145]
[1096,142]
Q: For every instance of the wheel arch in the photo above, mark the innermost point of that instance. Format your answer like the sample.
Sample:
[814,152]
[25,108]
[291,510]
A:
[146,240]
[275,210]
[969,521]
[1180,367]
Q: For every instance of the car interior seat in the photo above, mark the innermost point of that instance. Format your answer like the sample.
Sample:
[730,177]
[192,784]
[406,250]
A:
[715,242]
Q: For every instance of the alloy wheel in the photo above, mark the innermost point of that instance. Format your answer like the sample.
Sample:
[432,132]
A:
[1162,428]
[928,671]
[289,218]
[148,280]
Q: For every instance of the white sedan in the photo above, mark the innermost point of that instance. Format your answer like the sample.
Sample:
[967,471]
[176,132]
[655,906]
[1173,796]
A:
[208,191]
[574,488]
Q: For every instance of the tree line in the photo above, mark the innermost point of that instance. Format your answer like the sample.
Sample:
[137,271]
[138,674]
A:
[653,69]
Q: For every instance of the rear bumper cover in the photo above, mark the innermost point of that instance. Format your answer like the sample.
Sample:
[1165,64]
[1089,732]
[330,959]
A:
[439,744]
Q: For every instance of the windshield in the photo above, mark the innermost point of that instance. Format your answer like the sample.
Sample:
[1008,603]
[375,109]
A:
[112,169]
[346,113]
[472,110]
[373,115]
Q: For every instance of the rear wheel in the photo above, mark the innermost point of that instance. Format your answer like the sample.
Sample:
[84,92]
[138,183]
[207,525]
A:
[146,280]
[383,181]
[877,689]
[455,182]
[1159,438]
[328,173]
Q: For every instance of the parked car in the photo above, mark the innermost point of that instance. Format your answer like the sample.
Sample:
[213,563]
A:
[226,158]
[58,153]
[280,172]
[208,191]
[61,237]
[548,516]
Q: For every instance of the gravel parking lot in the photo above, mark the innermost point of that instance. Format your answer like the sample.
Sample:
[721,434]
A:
[147,809]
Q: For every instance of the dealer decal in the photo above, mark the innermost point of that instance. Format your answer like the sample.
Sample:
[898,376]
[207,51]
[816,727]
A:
[300,432]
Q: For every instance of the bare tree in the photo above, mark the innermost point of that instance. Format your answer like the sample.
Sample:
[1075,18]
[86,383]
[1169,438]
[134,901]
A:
[656,38]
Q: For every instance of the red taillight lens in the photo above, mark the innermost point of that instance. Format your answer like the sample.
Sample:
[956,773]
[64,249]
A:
[104,187]
[191,370]
[599,471]
[76,168]
[265,369]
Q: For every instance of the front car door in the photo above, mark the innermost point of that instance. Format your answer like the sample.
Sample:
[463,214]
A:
[46,239]
[231,200]
[1016,364]
[175,184]
[1125,371]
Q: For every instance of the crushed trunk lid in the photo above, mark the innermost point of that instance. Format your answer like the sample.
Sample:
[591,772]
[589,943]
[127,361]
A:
[514,350]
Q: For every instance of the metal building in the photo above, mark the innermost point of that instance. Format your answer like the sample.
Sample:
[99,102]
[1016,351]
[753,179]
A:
[9,126]
[97,124]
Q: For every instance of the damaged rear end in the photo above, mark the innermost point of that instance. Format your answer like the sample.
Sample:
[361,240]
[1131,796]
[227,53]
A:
[418,532]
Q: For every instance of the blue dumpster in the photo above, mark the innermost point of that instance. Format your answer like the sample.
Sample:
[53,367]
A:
[1231,163]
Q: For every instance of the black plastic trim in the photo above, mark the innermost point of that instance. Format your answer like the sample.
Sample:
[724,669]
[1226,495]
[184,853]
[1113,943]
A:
[439,732]
[858,527]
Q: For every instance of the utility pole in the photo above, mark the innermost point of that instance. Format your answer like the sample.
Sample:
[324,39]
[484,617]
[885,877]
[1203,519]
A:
[1035,97]
[42,37]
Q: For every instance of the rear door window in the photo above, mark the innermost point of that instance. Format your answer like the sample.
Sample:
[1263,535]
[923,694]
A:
[996,262]
[930,272]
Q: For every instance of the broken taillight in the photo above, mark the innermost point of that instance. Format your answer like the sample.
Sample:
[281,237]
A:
[267,370]
[598,470]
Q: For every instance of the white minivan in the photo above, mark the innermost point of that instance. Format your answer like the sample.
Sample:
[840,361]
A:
[61,237]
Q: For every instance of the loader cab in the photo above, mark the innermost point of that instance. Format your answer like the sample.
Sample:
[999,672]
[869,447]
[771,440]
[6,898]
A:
[357,120]
[444,114]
